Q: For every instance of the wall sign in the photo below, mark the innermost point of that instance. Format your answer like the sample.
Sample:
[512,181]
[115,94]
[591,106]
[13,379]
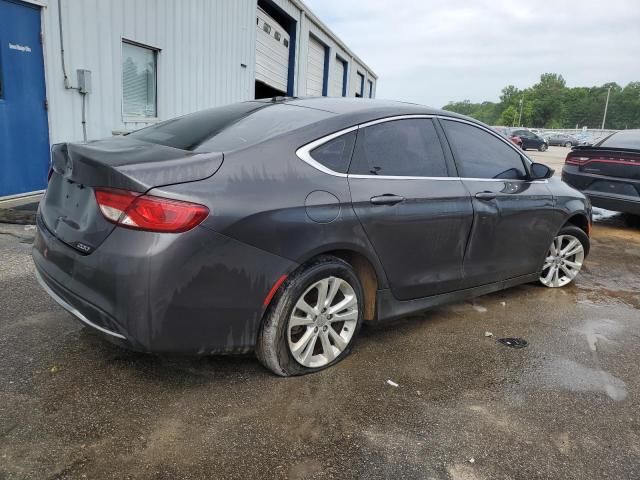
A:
[21,48]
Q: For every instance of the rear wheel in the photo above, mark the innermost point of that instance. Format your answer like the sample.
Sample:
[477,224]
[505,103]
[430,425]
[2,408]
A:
[565,257]
[568,145]
[313,320]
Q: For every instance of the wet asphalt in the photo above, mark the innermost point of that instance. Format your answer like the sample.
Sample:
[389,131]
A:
[466,407]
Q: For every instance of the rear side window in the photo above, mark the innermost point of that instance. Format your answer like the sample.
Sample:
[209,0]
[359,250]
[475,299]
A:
[480,154]
[336,153]
[406,148]
[624,139]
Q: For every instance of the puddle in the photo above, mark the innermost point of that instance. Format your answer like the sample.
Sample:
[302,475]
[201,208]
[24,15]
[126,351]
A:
[576,377]
[599,331]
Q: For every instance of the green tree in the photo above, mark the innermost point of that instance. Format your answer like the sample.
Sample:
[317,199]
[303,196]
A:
[551,104]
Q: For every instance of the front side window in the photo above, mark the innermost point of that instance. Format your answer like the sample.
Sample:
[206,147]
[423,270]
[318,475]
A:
[138,81]
[480,154]
[406,148]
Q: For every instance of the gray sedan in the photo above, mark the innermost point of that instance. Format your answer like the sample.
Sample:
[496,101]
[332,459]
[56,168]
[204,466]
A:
[282,226]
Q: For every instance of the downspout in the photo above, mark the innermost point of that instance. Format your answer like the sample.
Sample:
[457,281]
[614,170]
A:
[67,82]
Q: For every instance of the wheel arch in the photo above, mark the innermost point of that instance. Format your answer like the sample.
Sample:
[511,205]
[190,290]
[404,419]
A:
[368,270]
[581,221]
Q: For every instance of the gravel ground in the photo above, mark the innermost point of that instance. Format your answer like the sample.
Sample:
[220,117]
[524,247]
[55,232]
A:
[465,407]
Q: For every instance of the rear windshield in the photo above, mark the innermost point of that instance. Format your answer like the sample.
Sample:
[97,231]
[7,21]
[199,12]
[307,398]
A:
[625,139]
[230,127]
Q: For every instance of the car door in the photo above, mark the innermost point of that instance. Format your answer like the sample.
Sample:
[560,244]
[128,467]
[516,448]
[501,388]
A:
[415,211]
[513,216]
[528,138]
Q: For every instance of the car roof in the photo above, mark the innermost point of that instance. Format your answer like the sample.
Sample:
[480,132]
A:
[240,125]
[365,107]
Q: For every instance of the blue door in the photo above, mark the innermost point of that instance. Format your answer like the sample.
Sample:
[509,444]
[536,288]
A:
[24,133]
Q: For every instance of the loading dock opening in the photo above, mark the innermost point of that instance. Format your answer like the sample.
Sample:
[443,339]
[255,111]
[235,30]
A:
[275,51]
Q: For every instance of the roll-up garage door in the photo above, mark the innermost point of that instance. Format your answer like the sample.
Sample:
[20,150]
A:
[339,77]
[315,68]
[272,53]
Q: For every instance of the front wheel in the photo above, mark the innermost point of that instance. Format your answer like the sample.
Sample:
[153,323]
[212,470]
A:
[568,145]
[543,147]
[565,257]
[313,320]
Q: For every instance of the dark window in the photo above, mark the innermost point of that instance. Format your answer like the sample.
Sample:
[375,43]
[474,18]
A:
[230,127]
[624,139]
[408,148]
[285,42]
[277,36]
[480,154]
[524,133]
[336,153]
[267,28]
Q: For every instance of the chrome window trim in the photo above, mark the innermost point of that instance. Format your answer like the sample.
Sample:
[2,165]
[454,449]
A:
[304,152]
[72,310]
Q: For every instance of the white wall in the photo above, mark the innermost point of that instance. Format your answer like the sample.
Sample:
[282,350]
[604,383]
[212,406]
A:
[202,46]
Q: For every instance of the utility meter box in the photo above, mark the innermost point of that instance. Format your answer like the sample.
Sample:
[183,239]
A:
[84,81]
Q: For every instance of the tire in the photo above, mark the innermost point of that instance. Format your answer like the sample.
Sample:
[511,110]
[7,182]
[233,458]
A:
[558,269]
[543,147]
[568,145]
[277,338]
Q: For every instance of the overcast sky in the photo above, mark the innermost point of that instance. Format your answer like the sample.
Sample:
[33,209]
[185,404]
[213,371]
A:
[434,51]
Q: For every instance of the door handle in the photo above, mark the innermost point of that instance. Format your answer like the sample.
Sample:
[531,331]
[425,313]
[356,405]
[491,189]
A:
[486,195]
[386,199]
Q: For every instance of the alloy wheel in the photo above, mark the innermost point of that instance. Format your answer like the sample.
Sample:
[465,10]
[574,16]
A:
[563,262]
[322,322]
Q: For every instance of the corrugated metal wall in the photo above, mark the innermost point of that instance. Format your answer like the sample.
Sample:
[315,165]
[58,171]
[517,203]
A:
[203,47]
[203,44]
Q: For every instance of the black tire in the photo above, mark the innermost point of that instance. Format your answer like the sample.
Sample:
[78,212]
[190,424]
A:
[272,348]
[568,145]
[579,234]
[543,147]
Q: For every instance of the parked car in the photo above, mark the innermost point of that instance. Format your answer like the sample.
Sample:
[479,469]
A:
[505,132]
[283,225]
[608,172]
[563,140]
[531,140]
[584,138]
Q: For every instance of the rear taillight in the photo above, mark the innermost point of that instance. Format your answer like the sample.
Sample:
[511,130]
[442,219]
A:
[146,212]
[575,158]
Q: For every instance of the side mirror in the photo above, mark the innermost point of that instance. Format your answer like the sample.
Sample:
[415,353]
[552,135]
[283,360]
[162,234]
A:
[539,171]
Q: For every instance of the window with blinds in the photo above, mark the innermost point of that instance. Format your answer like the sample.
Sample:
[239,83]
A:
[138,81]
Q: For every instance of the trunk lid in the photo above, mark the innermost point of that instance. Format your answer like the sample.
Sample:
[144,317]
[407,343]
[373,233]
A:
[621,163]
[69,209]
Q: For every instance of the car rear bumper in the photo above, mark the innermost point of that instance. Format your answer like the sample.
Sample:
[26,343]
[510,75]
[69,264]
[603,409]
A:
[611,193]
[198,292]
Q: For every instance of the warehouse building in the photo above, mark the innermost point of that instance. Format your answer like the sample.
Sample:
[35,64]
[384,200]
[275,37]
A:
[85,69]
